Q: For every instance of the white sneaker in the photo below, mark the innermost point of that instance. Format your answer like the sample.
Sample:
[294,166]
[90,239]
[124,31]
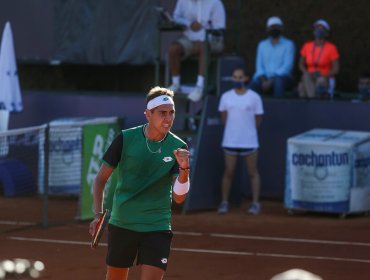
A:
[174,87]
[223,208]
[196,95]
[255,208]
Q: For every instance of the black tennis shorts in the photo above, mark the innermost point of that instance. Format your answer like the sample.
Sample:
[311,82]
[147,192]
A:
[239,151]
[150,248]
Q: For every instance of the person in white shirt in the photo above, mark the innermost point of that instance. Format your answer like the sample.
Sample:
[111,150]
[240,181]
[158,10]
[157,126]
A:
[241,111]
[196,16]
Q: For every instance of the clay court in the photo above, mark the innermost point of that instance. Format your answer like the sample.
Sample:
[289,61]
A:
[206,245]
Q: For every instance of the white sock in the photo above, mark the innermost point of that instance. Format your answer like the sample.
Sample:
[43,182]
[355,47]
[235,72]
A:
[176,80]
[200,81]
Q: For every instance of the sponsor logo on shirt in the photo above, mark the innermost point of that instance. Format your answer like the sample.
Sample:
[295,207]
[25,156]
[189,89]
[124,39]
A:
[167,159]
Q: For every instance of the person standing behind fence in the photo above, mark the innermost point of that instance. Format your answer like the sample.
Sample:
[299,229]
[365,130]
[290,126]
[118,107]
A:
[319,63]
[149,160]
[274,61]
[196,16]
[241,111]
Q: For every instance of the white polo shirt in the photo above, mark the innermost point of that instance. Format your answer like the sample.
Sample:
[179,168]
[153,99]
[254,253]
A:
[209,13]
[240,127]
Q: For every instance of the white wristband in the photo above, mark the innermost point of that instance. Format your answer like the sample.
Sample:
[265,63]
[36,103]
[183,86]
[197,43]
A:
[181,188]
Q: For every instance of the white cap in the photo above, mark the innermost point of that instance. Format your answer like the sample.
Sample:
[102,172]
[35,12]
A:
[322,22]
[274,21]
[296,274]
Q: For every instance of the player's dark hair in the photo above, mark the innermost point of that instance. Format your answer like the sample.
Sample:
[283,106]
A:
[158,91]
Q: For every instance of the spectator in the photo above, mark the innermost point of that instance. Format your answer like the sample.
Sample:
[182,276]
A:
[241,111]
[197,16]
[364,87]
[274,62]
[319,63]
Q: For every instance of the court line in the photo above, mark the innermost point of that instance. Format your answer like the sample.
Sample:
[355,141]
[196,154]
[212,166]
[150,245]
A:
[15,223]
[236,236]
[283,239]
[270,255]
[188,233]
[55,241]
[192,250]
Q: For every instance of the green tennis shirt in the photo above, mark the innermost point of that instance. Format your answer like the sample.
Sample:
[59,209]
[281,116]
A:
[143,195]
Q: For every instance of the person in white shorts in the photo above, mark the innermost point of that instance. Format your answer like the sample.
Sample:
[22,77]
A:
[196,16]
[241,111]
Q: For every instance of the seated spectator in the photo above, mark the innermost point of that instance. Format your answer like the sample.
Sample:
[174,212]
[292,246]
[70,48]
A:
[274,61]
[197,16]
[319,63]
[364,87]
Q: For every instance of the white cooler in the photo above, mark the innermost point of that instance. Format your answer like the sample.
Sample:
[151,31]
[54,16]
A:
[328,171]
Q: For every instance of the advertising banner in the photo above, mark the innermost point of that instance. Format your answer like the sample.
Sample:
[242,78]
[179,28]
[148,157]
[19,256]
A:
[96,140]
[360,193]
[325,168]
[65,160]
[320,176]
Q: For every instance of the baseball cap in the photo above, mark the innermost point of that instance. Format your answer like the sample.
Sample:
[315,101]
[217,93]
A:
[322,22]
[274,21]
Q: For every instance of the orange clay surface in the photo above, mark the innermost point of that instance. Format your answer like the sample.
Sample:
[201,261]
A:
[205,246]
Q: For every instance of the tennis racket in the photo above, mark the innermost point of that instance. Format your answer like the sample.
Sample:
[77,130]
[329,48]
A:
[99,229]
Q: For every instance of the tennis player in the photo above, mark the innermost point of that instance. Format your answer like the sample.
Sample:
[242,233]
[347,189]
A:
[153,168]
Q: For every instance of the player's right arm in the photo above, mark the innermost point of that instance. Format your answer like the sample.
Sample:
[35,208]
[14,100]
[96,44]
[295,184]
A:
[99,185]
[98,194]
[111,159]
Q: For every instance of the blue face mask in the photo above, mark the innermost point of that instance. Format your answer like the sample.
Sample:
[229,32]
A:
[238,84]
[275,33]
[319,33]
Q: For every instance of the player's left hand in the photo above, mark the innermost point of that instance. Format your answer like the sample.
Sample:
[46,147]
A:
[182,157]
